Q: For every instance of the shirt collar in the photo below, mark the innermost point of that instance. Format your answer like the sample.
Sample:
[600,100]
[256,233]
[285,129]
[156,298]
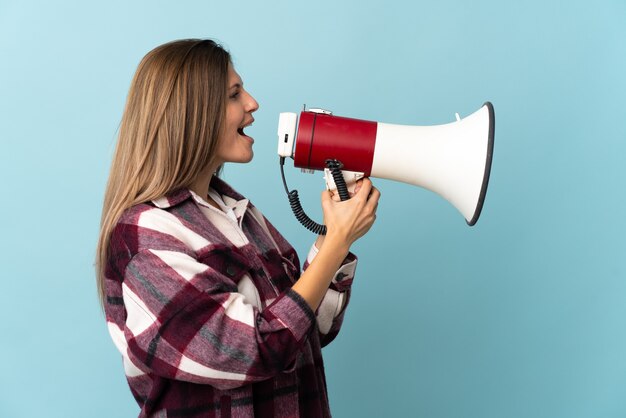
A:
[230,197]
[172,198]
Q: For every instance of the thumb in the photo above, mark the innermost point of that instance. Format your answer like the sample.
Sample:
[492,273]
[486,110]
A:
[326,197]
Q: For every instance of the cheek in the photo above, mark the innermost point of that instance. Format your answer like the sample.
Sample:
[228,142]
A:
[234,113]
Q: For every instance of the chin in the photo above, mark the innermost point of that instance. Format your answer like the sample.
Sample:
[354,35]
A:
[245,159]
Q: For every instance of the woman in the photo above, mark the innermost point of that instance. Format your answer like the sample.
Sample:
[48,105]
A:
[203,297]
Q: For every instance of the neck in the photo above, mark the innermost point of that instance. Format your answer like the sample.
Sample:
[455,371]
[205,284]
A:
[200,185]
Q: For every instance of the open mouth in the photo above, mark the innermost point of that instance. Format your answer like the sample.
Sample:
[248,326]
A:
[240,130]
[242,133]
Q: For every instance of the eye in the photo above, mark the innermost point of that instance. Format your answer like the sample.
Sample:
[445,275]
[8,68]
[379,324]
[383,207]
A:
[235,93]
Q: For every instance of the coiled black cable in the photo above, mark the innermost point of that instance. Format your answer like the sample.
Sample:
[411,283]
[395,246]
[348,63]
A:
[294,200]
[303,218]
[335,169]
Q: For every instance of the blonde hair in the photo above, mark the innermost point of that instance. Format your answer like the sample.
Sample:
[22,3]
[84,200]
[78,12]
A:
[169,130]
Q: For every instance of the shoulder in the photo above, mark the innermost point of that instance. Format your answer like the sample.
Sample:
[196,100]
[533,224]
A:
[147,227]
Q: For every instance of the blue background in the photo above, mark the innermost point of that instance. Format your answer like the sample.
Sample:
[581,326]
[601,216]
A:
[523,315]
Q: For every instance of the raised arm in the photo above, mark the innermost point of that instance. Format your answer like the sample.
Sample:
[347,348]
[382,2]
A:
[346,222]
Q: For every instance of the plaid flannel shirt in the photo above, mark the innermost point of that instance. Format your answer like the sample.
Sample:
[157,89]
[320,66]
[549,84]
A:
[201,308]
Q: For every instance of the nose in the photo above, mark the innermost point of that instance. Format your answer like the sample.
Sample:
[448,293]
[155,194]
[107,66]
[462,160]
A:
[251,104]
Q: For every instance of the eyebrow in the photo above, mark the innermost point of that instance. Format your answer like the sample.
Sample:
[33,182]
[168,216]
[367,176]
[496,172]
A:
[236,85]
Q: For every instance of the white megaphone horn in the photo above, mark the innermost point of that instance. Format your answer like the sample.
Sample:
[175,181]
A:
[452,160]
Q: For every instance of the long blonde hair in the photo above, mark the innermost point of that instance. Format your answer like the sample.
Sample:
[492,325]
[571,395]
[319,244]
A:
[169,130]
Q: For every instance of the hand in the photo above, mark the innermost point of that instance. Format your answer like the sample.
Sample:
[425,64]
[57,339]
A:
[335,196]
[349,220]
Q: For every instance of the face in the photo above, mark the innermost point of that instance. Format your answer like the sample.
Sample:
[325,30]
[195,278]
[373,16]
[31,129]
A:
[234,145]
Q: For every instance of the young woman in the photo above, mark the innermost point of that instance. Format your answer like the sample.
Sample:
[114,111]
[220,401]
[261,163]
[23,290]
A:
[203,297]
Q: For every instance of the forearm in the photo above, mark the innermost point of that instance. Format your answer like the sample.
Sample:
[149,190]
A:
[314,282]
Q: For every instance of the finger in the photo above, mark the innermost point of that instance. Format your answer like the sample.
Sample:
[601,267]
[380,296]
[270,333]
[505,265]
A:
[326,196]
[357,186]
[365,189]
[372,201]
[374,193]
[334,195]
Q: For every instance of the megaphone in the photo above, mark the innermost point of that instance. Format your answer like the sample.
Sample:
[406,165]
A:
[452,160]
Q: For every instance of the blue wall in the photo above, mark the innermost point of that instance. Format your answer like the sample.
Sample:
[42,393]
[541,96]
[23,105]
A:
[522,316]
